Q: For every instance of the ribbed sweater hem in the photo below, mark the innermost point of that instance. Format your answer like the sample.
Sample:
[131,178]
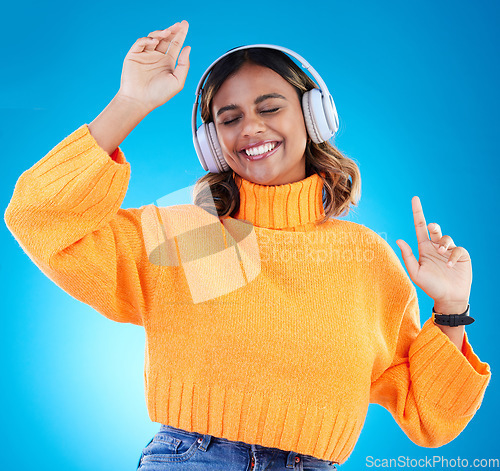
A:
[256,417]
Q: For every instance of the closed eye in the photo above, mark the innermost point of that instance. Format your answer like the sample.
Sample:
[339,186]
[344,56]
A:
[230,121]
[225,123]
[270,111]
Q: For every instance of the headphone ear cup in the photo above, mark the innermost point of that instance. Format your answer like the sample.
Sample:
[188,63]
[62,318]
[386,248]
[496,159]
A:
[211,157]
[315,117]
[216,149]
[308,119]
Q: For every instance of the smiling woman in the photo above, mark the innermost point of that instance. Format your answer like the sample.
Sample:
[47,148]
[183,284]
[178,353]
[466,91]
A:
[254,98]
[270,324]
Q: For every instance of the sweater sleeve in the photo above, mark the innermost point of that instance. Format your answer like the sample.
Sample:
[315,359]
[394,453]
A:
[431,388]
[65,214]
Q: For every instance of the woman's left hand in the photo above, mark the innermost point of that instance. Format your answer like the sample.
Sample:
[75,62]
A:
[447,285]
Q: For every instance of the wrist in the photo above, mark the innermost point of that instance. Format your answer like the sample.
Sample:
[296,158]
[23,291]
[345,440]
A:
[116,122]
[450,307]
[130,106]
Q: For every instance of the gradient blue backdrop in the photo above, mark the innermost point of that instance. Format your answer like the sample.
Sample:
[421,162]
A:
[416,88]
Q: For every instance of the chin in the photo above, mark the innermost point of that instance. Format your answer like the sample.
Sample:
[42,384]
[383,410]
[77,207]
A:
[261,178]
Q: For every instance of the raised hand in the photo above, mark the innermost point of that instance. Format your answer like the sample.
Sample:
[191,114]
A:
[443,270]
[150,76]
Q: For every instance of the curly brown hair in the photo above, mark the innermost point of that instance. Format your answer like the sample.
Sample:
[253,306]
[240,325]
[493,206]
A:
[324,159]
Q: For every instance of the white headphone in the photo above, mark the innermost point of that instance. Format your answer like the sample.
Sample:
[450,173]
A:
[320,115]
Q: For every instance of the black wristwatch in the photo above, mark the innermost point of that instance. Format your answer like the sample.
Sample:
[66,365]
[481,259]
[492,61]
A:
[453,320]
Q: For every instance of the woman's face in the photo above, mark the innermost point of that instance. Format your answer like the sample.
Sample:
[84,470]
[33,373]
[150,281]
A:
[260,126]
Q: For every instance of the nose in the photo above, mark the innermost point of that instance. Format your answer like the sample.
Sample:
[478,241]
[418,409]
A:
[252,124]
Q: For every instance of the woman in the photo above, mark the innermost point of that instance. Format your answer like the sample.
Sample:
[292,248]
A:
[270,324]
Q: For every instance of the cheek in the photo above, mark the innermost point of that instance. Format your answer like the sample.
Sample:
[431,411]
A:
[297,129]
[302,125]
[225,139]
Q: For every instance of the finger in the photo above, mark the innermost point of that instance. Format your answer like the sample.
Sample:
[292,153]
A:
[177,41]
[142,44]
[164,33]
[445,243]
[174,28]
[164,38]
[455,255]
[154,38]
[182,68]
[152,41]
[419,220]
[435,231]
[411,262]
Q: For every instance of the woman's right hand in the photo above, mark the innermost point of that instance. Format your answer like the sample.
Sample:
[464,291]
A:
[149,76]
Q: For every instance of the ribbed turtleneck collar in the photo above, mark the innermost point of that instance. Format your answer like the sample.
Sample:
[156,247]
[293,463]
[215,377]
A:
[293,206]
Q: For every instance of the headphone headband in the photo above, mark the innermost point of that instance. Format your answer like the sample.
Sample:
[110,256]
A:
[304,63]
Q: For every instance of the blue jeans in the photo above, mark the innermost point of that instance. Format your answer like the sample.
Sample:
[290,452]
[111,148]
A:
[175,449]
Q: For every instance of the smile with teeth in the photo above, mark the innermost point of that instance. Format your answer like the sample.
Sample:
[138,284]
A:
[260,150]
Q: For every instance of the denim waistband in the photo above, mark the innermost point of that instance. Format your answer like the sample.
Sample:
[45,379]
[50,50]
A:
[292,457]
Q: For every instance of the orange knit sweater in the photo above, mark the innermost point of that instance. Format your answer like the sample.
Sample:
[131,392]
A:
[266,328]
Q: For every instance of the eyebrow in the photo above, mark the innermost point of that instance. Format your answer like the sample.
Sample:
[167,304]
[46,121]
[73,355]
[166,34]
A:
[258,100]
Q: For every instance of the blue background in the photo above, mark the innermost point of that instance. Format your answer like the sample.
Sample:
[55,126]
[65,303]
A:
[416,88]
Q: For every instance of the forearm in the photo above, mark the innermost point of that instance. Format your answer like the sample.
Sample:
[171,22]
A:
[116,122]
[456,334]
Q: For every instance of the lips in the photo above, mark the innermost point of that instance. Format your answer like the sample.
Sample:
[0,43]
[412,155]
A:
[259,150]
[258,144]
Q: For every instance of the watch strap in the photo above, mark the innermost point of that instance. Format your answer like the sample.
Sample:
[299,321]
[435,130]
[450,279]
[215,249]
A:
[453,320]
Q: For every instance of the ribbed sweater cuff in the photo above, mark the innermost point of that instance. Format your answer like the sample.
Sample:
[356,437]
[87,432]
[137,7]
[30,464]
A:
[433,355]
[71,191]
[76,166]
[85,142]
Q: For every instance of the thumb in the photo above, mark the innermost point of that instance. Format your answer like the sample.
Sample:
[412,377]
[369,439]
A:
[182,68]
[409,259]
